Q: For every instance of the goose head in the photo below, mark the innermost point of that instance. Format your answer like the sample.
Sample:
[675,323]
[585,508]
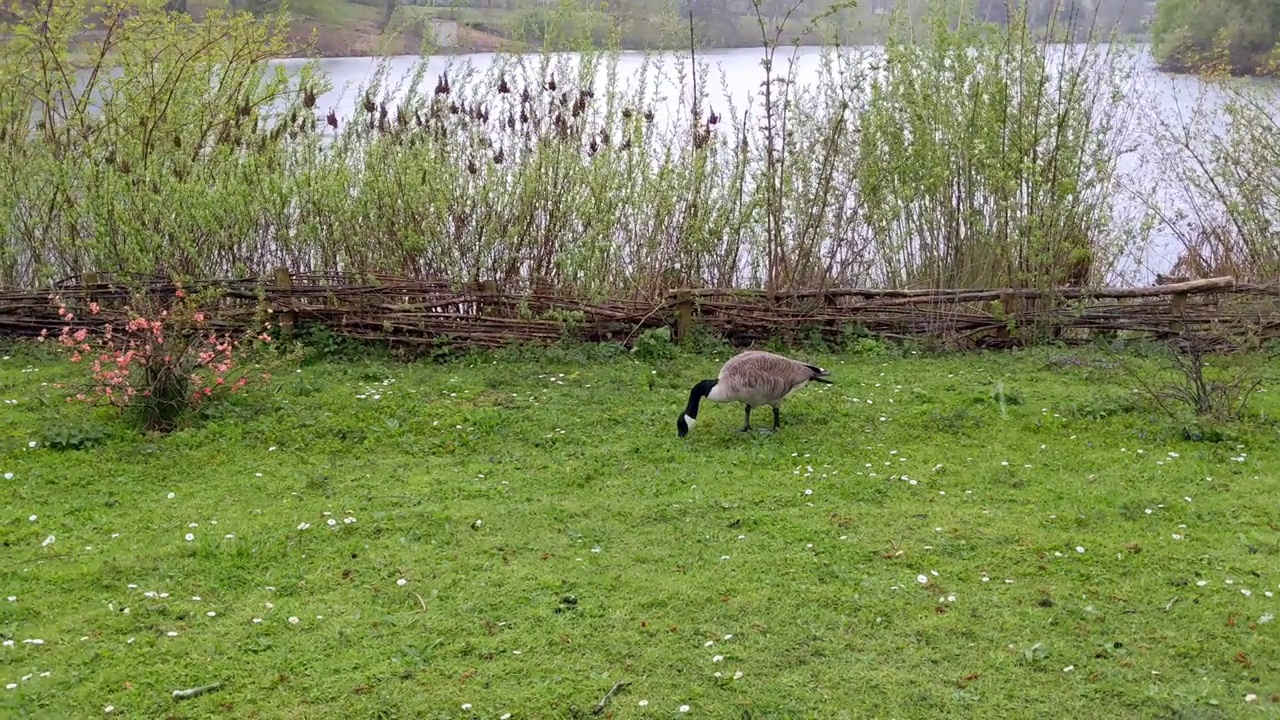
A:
[689,417]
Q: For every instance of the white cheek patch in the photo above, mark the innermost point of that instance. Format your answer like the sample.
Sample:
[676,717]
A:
[689,421]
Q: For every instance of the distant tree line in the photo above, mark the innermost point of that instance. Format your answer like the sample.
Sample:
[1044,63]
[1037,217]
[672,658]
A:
[1239,37]
[1079,18]
[257,7]
[1066,19]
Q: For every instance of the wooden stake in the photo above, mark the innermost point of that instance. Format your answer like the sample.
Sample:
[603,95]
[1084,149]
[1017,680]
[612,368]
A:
[684,314]
[288,318]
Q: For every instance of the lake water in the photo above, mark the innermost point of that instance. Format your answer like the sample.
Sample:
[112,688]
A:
[1153,99]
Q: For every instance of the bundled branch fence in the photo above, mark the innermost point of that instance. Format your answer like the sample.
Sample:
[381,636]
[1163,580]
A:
[403,310]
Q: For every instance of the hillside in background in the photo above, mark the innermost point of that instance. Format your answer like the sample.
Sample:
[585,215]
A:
[364,27]
[344,28]
[1233,37]
[349,28]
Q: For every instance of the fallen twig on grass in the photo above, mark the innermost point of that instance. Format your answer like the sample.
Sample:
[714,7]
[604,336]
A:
[195,691]
[617,687]
[38,558]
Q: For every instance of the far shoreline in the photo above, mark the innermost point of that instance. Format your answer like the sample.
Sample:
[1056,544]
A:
[527,49]
[480,43]
[1176,70]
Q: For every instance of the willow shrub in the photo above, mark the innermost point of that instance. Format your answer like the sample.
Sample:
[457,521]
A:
[1221,171]
[145,149]
[971,158]
[989,159]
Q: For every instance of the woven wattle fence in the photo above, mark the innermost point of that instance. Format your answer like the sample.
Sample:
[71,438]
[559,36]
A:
[416,311]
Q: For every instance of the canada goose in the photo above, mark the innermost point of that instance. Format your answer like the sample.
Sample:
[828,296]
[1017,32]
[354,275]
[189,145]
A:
[753,378]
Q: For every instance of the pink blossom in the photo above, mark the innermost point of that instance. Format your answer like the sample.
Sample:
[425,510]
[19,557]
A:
[113,360]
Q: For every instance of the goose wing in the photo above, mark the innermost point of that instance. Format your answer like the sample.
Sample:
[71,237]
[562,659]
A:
[765,377]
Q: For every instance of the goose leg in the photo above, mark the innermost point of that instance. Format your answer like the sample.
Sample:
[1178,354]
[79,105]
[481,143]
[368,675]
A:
[776,421]
[746,424]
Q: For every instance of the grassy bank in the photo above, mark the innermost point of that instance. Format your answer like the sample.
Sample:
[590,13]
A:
[1013,535]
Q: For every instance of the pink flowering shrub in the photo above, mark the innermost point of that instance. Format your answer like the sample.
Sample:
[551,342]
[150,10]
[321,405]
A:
[164,360]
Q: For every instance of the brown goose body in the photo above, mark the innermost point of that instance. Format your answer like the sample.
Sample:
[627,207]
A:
[753,378]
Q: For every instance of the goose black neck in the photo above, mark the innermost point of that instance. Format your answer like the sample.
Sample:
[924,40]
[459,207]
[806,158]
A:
[698,392]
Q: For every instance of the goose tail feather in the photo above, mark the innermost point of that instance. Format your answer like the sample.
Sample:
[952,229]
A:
[819,374]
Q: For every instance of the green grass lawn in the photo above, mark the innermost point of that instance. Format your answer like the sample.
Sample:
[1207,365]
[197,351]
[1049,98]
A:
[992,535]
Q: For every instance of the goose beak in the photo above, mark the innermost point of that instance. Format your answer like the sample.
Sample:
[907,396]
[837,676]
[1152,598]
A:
[683,424]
